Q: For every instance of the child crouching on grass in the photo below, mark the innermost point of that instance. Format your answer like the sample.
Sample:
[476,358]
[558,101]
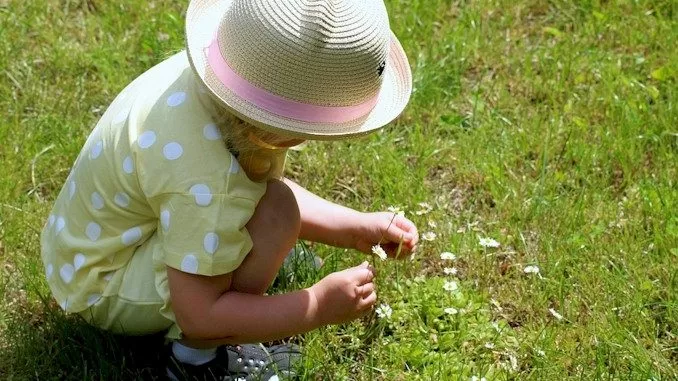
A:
[176,216]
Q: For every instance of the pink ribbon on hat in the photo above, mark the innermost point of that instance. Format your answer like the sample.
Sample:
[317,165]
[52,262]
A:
[279,105]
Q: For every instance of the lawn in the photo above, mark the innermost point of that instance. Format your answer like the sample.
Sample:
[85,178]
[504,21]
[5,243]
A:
[540,149]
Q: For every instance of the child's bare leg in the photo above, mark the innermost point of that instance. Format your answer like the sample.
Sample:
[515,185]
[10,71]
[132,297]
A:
[274,229]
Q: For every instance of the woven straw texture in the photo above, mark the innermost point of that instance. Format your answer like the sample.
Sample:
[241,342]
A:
[323,53]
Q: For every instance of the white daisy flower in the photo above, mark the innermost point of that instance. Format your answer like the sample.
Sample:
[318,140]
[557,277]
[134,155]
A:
[384,311]
[396,210]
[451,311]
[447,256]
[555,314]
[425,208]
[514,362]
[489,345]
[451,286]
[488,242]
[531,269]
[429,236]
[450,270]
[379,252]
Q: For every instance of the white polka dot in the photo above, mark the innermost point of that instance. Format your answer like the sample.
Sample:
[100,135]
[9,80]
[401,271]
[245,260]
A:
[96,150]
[121,116]
[109,276]
[79,261]
[71,189]
[121,199]
[93,299]
[50,220]
[211,242]
[60,225]
[67,271]
[97,200]
[172,151]
[146,139]
[211,132]
[165,219]
[131,236]
[49,270]
[202,194]
[128,165]
[189,264]
[234,167]
[176,99]
[93,231]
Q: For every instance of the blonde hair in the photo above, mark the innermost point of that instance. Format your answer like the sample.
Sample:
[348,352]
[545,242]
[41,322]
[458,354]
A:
[255,149]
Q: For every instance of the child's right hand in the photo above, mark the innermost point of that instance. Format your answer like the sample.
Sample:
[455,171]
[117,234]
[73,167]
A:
[345,295]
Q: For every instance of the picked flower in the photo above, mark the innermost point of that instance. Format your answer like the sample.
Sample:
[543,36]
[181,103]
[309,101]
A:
[531,269]
[379,252]
[451,286]
[450,270]
[488,242]
[451,311]
[429,236]
[384,311]
[447,256]
[396,210]
[555,314]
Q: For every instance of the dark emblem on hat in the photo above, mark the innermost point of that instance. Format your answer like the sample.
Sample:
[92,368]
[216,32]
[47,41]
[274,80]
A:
[380,69]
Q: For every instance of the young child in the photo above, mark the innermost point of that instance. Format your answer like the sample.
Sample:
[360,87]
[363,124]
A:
[176,216]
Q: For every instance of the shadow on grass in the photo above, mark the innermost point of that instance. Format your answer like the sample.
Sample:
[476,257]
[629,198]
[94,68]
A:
[38,341]
[49,345]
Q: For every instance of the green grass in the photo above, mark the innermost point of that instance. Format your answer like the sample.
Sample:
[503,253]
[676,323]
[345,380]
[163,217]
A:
[550,126]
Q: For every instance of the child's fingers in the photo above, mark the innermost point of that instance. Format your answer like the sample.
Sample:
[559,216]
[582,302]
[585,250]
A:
[406,224]
[403,229]
[368,301]
[396,234]
[366,289]
[364,273]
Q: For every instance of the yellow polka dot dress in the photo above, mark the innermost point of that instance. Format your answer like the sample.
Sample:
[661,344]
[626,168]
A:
[154,166]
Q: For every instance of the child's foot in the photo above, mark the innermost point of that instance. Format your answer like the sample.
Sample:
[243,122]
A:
[246,362]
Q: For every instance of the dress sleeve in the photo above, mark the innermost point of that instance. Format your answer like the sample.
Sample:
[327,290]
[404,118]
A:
[204,233]
[194,186]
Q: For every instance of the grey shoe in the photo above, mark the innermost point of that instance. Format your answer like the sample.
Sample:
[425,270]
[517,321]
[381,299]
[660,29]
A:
[248,362]
[251,362]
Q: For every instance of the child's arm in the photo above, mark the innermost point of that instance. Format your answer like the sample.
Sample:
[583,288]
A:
[336,225]
[209,314]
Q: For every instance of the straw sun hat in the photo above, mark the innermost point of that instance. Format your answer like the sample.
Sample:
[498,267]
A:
[314,69]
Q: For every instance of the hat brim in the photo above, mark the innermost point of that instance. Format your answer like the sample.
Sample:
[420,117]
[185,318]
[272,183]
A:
[202,20]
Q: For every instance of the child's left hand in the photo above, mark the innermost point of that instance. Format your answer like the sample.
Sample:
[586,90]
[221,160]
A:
[388,231]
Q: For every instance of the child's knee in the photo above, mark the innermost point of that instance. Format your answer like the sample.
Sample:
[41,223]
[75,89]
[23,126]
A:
[276,215]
